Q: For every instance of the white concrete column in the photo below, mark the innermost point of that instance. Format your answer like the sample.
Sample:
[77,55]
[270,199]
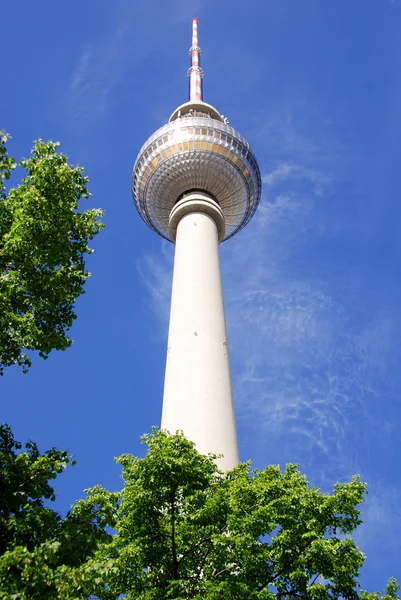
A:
[197,390]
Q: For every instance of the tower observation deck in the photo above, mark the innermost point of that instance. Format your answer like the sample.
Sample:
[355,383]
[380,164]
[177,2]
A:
[196,182]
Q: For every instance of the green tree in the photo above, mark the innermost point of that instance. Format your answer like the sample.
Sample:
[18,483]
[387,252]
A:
[42,555]
[185,531]
[182,531]
[43,243]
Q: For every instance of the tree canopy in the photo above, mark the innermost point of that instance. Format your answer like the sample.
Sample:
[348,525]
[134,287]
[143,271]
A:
[184,530]
[43,243]
[41,553]
[181,530]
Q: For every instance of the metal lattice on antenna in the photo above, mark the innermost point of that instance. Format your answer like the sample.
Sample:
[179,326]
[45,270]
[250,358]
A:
[195,72]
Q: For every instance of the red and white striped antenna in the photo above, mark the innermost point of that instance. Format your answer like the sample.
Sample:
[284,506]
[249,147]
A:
[195,72]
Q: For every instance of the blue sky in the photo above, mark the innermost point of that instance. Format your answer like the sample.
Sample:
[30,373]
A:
[312,284]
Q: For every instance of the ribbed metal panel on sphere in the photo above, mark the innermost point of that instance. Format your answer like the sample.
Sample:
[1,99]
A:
[196,152]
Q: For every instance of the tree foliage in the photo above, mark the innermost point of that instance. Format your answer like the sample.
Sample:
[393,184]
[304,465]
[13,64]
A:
[182,530]
[43,243]
[41,553]
[185,531]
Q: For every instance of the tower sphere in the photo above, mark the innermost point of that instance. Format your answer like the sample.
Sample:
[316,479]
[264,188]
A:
[197,150]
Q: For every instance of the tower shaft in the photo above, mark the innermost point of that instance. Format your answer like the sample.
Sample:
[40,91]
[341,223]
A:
[197,390]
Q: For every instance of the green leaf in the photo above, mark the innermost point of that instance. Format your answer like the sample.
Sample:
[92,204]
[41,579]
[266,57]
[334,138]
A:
[44,240]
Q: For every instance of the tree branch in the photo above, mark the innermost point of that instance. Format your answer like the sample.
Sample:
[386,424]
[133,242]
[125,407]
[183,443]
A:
[173,542]
[193,547]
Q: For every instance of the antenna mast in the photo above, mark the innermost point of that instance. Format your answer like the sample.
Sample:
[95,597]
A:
[195,72]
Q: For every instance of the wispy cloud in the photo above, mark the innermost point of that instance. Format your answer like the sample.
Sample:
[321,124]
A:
[99,68]
[286,172]
[139,30]
[81,78]
[381,514]
[309,367]
[156,274]
[378,536]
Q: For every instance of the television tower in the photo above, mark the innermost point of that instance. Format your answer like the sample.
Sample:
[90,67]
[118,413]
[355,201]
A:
[196,182]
